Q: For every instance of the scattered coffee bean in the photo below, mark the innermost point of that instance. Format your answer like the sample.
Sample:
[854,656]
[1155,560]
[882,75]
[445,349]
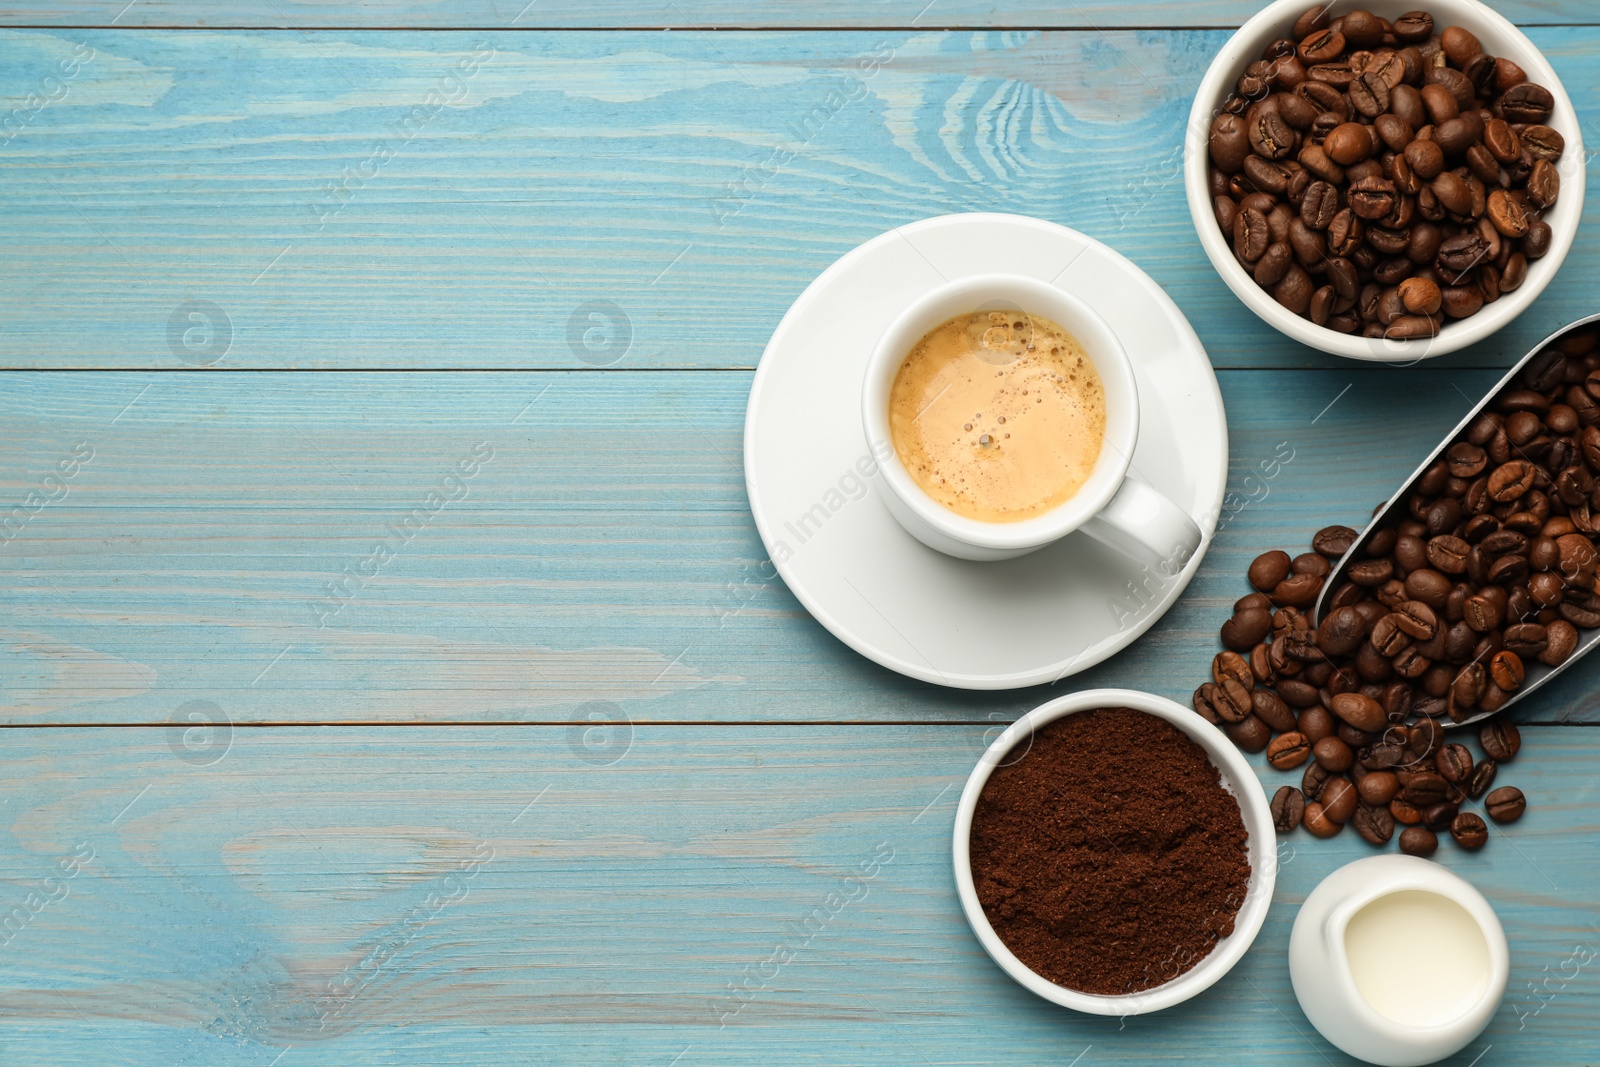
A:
[1378,787]
[1334,754]
[1418,841]
[1316,777]
[1404,813]
[1360,711]
[1333,541]
[1268,570]
[1249,733]
[1505,804]
[1469,830]
[1482,778]
[1288,808]
[1247,627]
[1439,817]
[1500,740]
[1317,822]
[1454,763]
[1289,750]
[1375,823]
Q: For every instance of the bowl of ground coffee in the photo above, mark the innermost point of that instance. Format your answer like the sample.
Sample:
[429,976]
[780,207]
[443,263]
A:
[1114,853]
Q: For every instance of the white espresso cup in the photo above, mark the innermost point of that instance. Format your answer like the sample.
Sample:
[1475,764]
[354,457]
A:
[1111,506]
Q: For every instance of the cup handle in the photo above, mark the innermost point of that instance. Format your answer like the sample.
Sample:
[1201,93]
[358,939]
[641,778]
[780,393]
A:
[1144,525]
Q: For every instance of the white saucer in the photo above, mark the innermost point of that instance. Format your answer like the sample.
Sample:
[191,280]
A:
[997,625]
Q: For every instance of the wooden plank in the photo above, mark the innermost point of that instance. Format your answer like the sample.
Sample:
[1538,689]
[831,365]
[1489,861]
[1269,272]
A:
[275,199]
[705,14]
[221,544]
[314,889]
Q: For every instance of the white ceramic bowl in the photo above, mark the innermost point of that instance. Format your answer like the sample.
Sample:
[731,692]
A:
[1237,778]
[1499,38]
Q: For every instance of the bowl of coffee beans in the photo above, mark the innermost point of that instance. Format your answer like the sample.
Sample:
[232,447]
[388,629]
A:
[1114,852]
[1386,184]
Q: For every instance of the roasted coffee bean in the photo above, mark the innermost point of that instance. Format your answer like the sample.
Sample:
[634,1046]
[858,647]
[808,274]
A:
[1539,239]
[1375,823]
[1420,295]
[1249,733]
[1468,687]
[1321,46]
[1266,175]
[1482,778]
[1506,669]
[1271,136]
[1469,831]
[1338,799]
[1460,302]
[1231,701]
[1454,763]
[1416,619]
[1509,481]
[1459,44]
[1424,790]
[1427,585]
[1378,787]
[1270,709]
[1261,664]
[1268,570]
[1288,808]
[1297,590]
[1315,778]
[1371,572]
[1526,102]
[1333,541]
[1297,694]
[1348,144]
[1527,638]
[1246,629]
[1418,841]
[1448,553]
[1561,642]
[1317,822]
[1289,750]
[1373,199]
[1360,711]
[1439,817]
[1507,214]
[1421,739]
[1404,813]
[1331,752]
[1500,740]
[1316,722]
[1505,804]
[1388,638]
[1356,739]
[1341,632]
[1320,205]
[1541,142]
[1231,665]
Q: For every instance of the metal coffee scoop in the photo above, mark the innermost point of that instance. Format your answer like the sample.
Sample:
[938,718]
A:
[1393,513]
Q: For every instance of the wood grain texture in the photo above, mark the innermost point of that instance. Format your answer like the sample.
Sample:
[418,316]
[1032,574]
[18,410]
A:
[313,889]
[312,202]
[705,14]
[222,544]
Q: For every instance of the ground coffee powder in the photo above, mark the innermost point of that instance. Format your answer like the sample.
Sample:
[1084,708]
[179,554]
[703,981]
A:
[1106,854]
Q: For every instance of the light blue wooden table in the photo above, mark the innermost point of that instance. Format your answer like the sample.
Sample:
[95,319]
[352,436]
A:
[547,780]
